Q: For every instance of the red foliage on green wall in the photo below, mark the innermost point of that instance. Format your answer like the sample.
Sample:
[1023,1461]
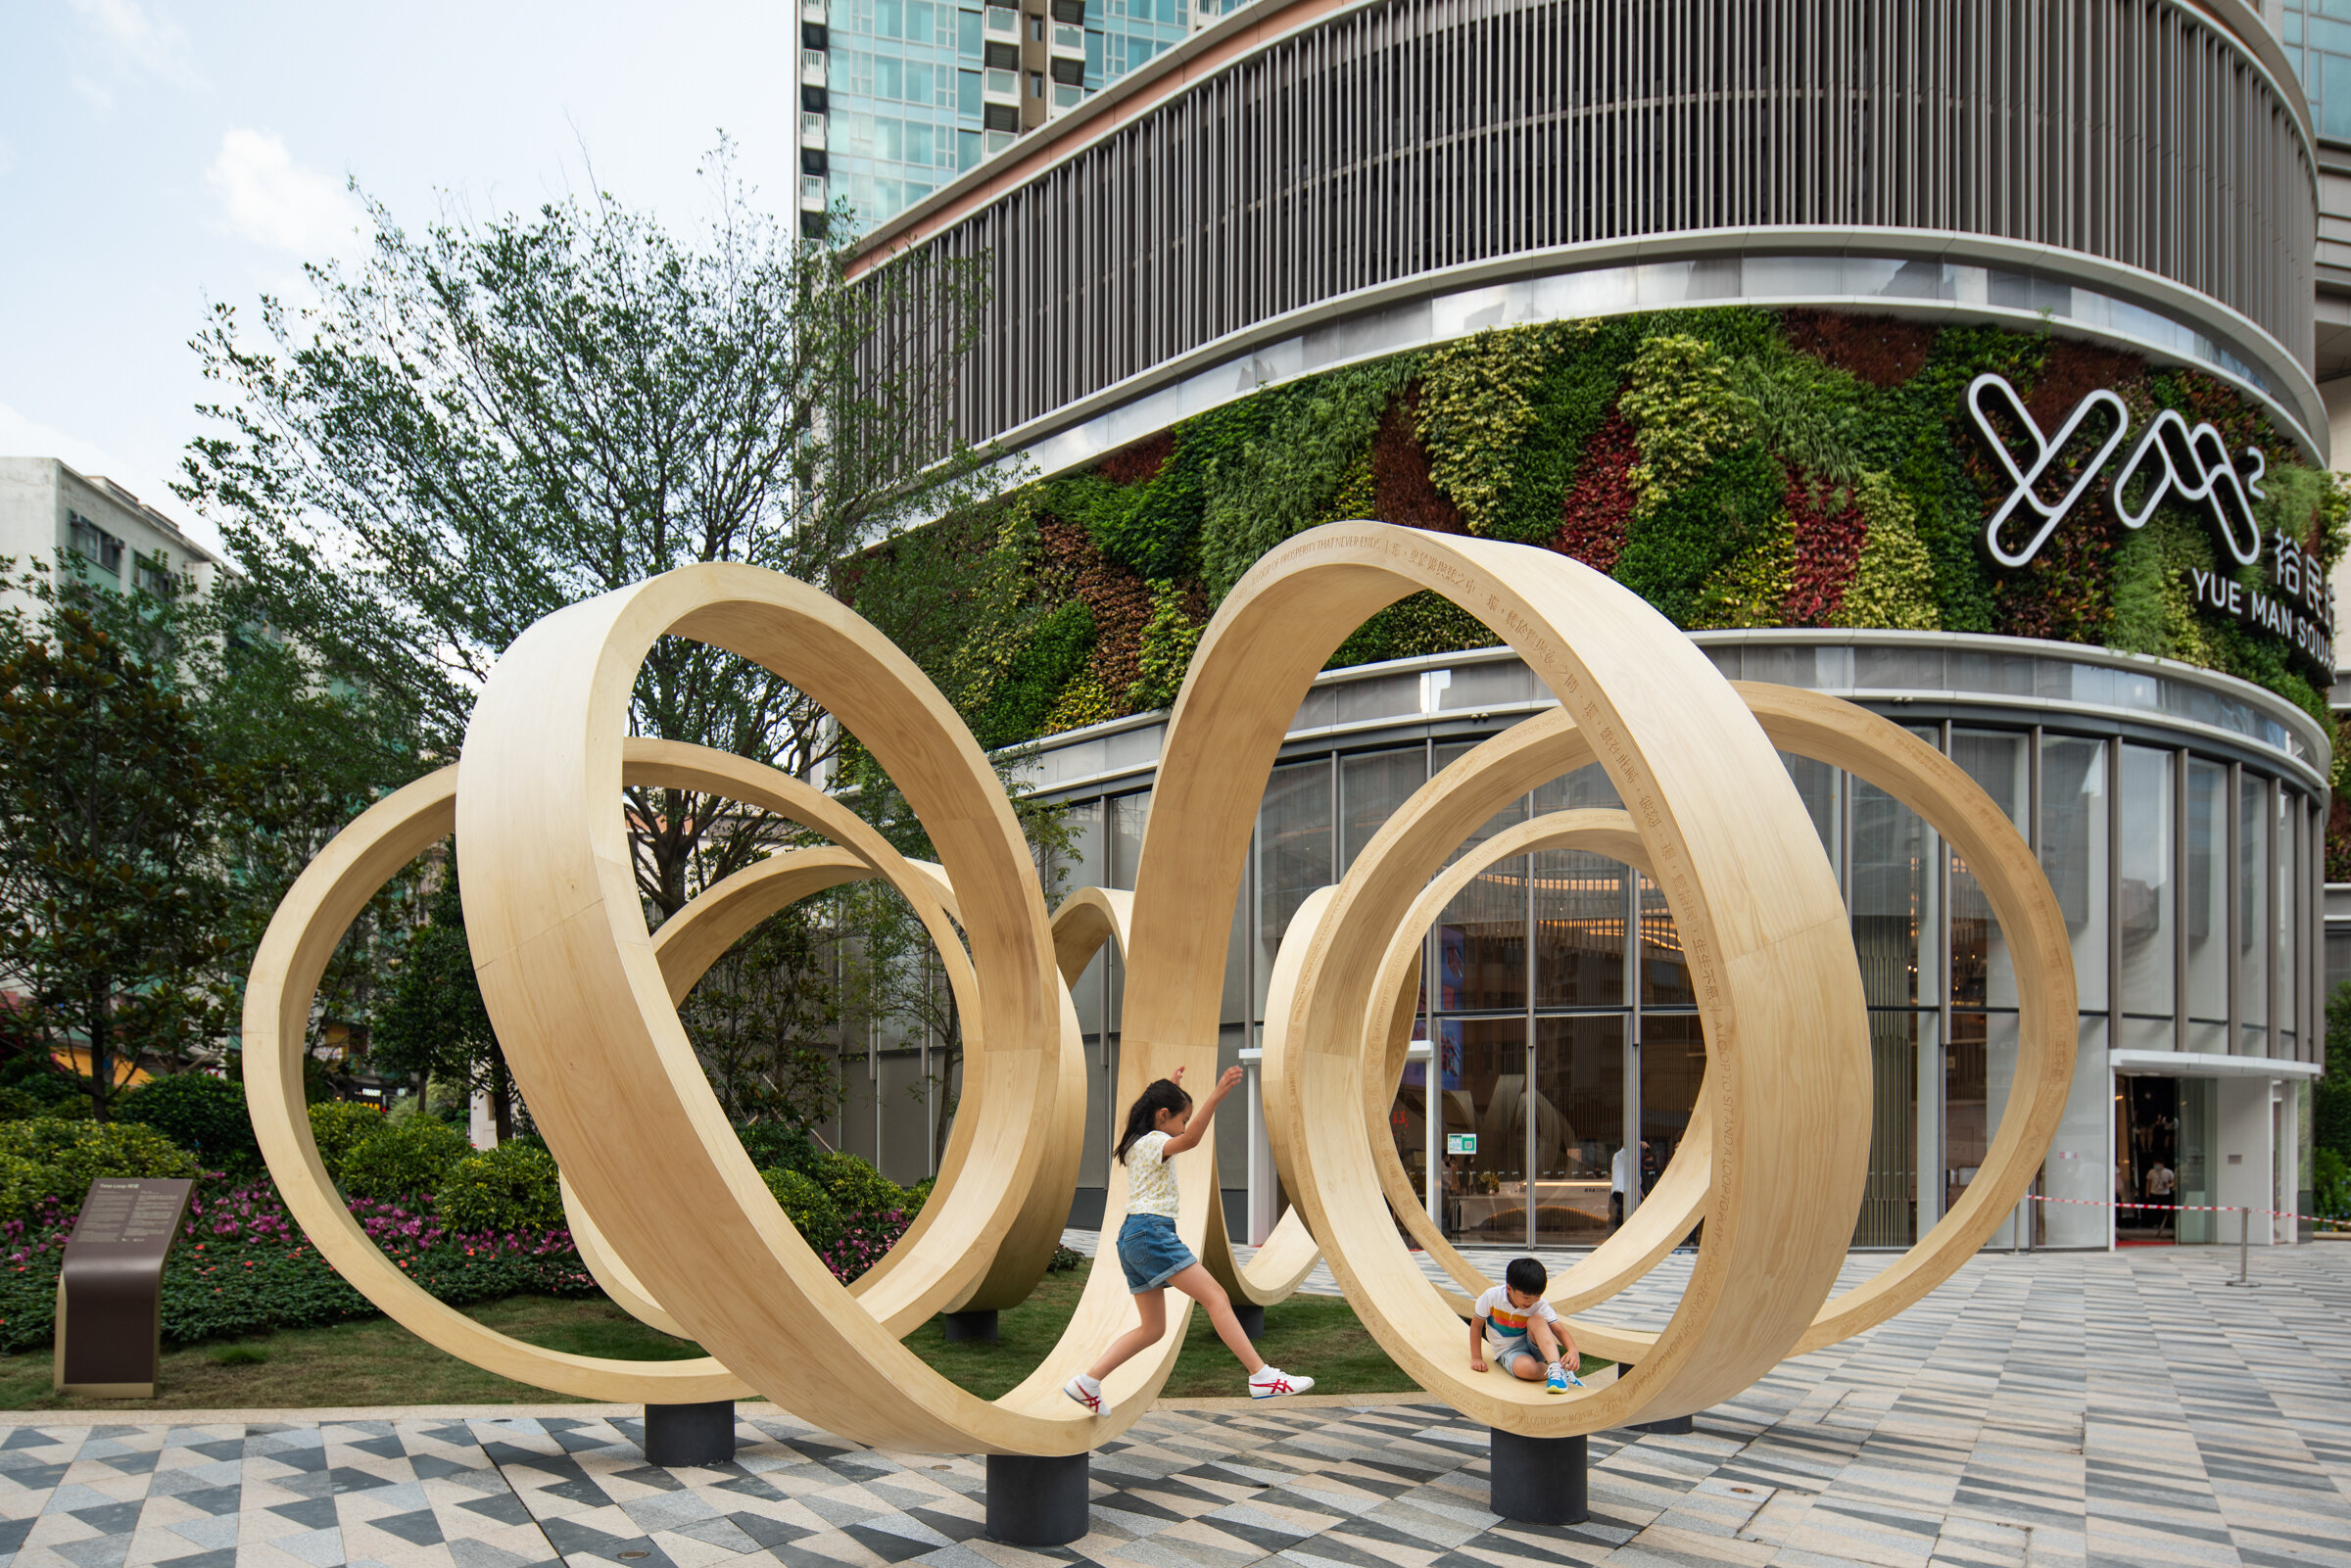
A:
[1882,349]
[1600,504]
[2066,592]
[1829,535]
[2338,840]
[1402,493]
[1120,599]
[2072,371]
[1139,463]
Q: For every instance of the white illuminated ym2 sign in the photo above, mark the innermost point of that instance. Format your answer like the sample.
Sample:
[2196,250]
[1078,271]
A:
[2170,460]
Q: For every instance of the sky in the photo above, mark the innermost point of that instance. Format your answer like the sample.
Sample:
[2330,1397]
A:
[160,156]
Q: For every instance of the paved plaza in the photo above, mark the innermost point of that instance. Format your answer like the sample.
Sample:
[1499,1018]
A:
[2058,1409]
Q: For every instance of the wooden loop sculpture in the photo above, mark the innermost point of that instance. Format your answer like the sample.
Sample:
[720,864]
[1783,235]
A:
[675,1221]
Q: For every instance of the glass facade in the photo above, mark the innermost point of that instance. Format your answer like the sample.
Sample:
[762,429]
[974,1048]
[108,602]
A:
[895,93]
[1564,1051]
[2316,35]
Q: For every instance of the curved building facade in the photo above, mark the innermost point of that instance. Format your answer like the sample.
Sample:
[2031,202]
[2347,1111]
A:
[1954,357]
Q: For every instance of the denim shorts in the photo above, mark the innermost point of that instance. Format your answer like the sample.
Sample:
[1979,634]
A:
[1149,1252]
[1505,1351]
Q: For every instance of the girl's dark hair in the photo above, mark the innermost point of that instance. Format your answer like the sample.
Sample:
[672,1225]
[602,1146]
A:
[1159,1094]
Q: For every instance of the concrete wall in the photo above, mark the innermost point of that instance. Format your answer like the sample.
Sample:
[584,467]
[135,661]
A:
[39,496]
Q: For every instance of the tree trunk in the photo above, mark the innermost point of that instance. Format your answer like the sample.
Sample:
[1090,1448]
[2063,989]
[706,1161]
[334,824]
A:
[501,1101]
[102,1050]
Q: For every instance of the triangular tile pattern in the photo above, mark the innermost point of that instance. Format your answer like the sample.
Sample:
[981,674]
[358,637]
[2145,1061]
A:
[2065,1409]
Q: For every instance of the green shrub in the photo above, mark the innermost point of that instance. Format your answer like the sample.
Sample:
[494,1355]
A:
[774,1146]
[339,1127]
[511,1187]
[400,1162]
[50,1158]
[808,1207]
[918,1195]
[857,1188]
[204,1114]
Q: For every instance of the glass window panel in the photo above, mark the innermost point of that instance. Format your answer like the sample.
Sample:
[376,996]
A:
[1888,1214]
[2198,1174]
[1579,1127]
[1237,989]
[2206,911]
[2077,1166]
[1665,967]
[1579,929]
[1293,855]
[1481,942]
[2253,861]
[2073,852]
[2286,933]
[1125,837]
[1892,899]
[1485,1190]
[1673,1058]
[1371,788]
[1819,785]
[1978,1069]
[1983,974]
[2146,917]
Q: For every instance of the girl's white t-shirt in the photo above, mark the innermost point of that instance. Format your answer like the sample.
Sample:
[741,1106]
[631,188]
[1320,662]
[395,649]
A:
[1150,1180]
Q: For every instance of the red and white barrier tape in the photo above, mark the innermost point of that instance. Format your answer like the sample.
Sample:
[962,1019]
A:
[2185,1208]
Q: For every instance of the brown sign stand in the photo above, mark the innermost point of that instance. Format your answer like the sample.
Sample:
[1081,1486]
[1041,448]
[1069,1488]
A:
[110,1294]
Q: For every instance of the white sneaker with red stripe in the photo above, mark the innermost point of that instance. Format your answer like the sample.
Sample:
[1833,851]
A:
[1088,1393]
[1271,1383]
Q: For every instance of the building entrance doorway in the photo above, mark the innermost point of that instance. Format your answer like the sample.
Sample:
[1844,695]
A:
[2163,1132]
[2146,1162]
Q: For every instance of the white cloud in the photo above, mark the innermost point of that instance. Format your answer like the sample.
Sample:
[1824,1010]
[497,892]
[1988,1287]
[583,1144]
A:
[274,201]
[142,39]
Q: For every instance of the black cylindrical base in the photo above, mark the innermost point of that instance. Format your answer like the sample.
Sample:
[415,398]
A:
[689,1434]
[1036,1502]
[1680,1426]
[1539,1480]
[979,1328]
[1253,1319]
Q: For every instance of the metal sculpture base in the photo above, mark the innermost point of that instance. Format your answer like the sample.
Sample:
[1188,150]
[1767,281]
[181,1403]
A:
[974,1328]
[1036,1502]
[689,1434]
[1539,1480]
[1253,1319]
[1680,1426]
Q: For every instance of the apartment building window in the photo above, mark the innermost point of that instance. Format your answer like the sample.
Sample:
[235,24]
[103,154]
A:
[1037,85]
[95,545]
[154,574]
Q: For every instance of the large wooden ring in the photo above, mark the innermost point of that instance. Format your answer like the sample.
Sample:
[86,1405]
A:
[569,975]
[1759,911]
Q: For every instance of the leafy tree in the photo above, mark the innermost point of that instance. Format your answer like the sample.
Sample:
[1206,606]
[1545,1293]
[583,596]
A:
[484,423]
[434,1021]
[110,902]
[2331,1119]
[890,978]
[761,1021]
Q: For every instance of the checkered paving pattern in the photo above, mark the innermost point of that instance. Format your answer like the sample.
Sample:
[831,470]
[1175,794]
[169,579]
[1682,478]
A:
[2056,1410]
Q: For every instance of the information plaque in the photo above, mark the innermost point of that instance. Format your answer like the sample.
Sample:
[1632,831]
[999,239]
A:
[110,1294]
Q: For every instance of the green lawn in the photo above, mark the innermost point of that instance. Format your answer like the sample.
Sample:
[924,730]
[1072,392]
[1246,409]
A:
[379,1362]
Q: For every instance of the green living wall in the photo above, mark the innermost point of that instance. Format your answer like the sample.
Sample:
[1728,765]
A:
[1735,467]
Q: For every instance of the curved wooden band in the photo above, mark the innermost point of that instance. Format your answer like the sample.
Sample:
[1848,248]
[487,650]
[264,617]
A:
[1879,752]
[572,984]
[1088,918]
[1758,909]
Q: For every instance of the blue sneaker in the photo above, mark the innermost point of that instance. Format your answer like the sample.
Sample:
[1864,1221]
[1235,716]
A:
[1556,1381]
